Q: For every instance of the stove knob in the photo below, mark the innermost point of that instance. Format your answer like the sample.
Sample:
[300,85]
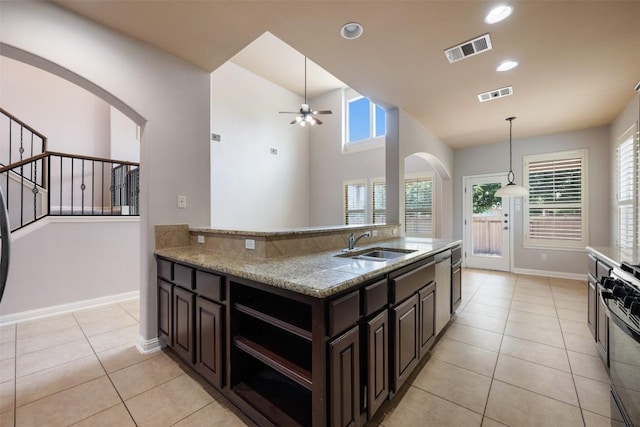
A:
[619,291]
[608,282]
[628,300]
[635,308]
[606,294]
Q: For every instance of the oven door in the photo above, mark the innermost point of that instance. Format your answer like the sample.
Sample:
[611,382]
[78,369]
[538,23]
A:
[624,364]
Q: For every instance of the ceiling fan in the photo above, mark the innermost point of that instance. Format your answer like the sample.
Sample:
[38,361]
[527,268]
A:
[306,116]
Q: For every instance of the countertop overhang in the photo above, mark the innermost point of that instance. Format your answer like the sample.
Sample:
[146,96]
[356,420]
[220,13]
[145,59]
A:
[319,275]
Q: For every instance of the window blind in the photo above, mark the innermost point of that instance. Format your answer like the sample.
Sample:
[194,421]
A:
[556,212]
[355,196]
[625,195]
[379,201]
[418,211]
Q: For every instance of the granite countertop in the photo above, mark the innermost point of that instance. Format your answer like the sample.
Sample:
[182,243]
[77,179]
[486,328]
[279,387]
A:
[319,275]
[289,231]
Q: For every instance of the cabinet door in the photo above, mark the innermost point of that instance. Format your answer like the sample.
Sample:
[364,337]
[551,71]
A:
[592,305]
[344,379]
[405,340]
[456,287]
[377,361]
[165,312]
[602,331]
[183,333]
[208,340]
[427,319]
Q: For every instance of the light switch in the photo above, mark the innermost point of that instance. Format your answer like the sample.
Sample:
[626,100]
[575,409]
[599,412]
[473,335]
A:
[200,238]
[249,244]
[182,202]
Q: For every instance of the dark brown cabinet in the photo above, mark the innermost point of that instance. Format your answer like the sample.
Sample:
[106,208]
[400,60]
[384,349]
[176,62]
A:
[427,311]
[377,361]
[183,332]
[208,340]
[344,379]
[405,346]
[165,312]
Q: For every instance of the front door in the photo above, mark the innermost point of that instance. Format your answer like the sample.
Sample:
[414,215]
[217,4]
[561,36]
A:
[487,223]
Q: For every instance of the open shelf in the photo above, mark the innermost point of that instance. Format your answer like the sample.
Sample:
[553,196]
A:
[283,402]
[277,361]
[292,316]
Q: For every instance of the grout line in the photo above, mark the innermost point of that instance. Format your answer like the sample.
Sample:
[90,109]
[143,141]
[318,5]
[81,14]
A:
[15,376]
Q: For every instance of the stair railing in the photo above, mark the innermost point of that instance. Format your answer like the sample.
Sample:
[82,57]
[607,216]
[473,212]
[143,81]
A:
[22,141]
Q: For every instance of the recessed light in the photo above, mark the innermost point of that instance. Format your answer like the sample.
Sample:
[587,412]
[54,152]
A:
[507,65]
[498,13]
[351,30]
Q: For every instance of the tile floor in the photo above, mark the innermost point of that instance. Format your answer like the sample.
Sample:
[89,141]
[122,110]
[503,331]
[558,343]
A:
[518,353]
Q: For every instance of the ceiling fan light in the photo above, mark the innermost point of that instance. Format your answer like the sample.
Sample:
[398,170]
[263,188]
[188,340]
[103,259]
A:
[498,13]
[351,30]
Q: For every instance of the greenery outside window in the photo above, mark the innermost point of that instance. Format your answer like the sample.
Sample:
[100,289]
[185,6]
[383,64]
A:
[556,210]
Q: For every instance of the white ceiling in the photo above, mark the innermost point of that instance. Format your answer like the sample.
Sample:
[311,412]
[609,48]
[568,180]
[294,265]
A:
[579,60]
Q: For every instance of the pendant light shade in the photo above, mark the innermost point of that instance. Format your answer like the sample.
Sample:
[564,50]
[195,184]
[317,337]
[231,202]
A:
[511,189]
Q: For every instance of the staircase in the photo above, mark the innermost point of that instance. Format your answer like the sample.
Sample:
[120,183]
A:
[38,183]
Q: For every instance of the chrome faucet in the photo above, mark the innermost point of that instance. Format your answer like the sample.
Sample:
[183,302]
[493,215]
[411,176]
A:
[352,241]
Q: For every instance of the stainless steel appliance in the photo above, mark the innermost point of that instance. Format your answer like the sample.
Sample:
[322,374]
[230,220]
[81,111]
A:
[620,294]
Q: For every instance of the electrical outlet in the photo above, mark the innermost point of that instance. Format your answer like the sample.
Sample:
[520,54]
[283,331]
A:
[274,151]
[249,244]
[543,257]
[200,238]
[215,137]
[394,231]
[182,202]
[374,233]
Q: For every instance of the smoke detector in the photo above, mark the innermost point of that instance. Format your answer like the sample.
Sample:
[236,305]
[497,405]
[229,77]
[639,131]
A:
[468,48]
[495,94]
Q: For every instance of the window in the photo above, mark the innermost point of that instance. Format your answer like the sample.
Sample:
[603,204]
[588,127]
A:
[556,209]
[365,123]
[418,205]
[379,201]
[626,171]
[355,199]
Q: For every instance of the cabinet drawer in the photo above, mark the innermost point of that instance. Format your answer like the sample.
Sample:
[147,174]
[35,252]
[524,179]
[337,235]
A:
[209,286]
[164,270]
[343,313]
[456,254]
[375,297]
[409,283]
[592,265]
[183,276]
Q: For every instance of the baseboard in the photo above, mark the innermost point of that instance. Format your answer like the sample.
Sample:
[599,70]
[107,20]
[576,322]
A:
[66,308]
[556,274]
[149,346]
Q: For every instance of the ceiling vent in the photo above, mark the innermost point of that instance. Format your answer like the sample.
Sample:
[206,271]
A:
[495,94]
[467,49]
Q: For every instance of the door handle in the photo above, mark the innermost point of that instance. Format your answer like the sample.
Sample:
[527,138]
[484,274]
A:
[506,228]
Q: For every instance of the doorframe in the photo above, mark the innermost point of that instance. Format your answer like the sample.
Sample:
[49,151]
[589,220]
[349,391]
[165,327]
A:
[505,200]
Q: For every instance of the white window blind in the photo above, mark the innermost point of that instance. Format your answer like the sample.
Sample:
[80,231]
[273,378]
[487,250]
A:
[556,206]
[418,207]
[379,202]
[626,171]
[355,199]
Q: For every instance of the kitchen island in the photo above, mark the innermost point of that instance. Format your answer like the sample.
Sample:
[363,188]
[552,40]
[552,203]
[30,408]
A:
[325,337]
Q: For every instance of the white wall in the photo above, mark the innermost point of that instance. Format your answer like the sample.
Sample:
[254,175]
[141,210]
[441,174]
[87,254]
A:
[74,120]
[100,258]
[494,158]
[329,167]
[169,97]
[124,138]
[252,188]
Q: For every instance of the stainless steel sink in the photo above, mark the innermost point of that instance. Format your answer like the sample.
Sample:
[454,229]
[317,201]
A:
[377,254]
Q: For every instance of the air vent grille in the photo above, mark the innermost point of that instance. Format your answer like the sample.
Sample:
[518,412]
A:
[468,48]
[495,94]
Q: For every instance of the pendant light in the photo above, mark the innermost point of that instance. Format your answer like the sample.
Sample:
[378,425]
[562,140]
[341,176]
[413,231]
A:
[511,189]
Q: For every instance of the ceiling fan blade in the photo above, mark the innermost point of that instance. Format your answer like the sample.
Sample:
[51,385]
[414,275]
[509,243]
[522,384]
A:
[318,121]
[288,112]
[323,112]
[293,122]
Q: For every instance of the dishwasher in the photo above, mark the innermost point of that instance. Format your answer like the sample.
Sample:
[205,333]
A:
[443,289]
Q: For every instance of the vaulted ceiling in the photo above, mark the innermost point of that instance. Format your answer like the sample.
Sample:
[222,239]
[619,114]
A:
[579,60]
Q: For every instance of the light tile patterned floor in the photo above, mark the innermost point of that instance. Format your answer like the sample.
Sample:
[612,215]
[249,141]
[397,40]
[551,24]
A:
[518,353]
